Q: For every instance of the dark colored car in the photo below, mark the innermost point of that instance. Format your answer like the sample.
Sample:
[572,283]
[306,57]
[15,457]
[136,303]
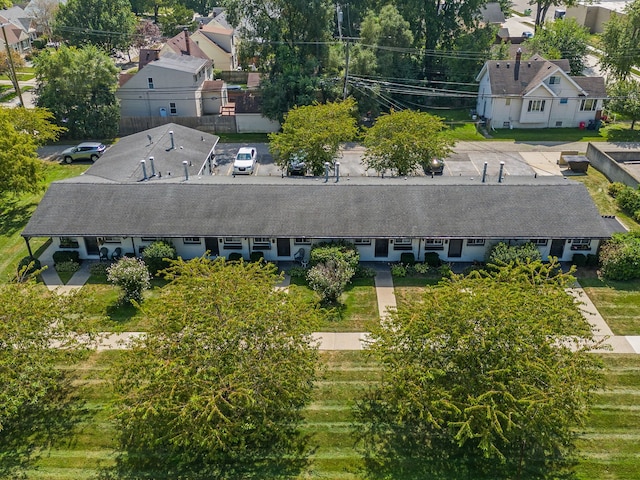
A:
[297,165]
[436,165]
[85,151]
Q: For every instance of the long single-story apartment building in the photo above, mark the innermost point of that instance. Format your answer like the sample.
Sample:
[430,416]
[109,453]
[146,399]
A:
[123,203]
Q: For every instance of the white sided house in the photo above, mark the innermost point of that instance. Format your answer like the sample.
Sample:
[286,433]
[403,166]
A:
[168,86]
[537,94]
[122,203]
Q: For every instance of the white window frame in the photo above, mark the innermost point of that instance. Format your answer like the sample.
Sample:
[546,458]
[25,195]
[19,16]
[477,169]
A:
[588,104]
[554,80]
[231,243]
[433,244]
[402,244]
[111,239]
[150,83]
[580,244]
[261,243]
[302,241]
[68,242]
[475,242]
[173,110]
[149,239]
[191,240]
[539,242]
[362,241]
[536,106]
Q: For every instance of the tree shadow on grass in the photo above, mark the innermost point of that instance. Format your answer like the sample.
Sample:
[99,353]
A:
[27,434]
[14,217]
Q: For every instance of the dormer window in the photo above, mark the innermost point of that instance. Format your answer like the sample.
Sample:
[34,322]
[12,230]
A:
[554,80]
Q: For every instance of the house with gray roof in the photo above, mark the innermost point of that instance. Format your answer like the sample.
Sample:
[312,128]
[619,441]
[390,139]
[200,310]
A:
[537,93]
[123,202]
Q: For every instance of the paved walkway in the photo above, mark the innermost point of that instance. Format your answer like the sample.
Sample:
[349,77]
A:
[348,340]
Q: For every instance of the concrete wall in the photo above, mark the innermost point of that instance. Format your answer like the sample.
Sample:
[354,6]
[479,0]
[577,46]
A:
[211,124]
[255,123]
[612,169]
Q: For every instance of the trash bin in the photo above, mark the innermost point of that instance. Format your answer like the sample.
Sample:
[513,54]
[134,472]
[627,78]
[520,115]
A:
[527,12]
[581,125]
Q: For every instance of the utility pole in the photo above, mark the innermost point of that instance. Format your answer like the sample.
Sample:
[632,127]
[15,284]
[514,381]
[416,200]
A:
[346,73]
[12,67]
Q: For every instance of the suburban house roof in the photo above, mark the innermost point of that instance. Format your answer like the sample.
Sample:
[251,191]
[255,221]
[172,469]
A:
[282,208]
[181,44]
[492,13]
[122,162]
[182,63]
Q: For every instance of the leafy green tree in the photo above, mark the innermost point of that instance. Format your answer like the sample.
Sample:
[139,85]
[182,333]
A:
[175,19]
[619,42]
[542,8]
[36,408]
[469,52]
[158,256]
[624,98]
[203,7]
[316,132]
[620,256]
[333,265]
[78,86]
[562,38]
[485,376]
[216,388]
[5,65]
[402,140]
[43,13]
[501,254]
[132,275]
[22,130]
[105,23]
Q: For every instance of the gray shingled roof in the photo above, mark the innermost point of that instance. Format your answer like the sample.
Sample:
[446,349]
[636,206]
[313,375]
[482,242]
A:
[317,211]
[121,162]
[595,86]
[183,63]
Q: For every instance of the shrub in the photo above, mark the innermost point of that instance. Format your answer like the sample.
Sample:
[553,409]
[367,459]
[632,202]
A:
[256,256]
[132,275]
[422,268]
[592,260]
[27,266]
[445,271]
[628,200]
[62,256]
[158,256]
[235,257]
[407,258]
[432,259]
[67,267]
[620,256]
[615,188]
[398,270]
[579,259]
[330,279]
[324,251]
[297,272]
[503,254]
[99,269]
[364,272]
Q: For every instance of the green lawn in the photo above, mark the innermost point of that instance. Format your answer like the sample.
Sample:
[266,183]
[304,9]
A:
[358,308]
[15,213]
[618,132]
[617,302]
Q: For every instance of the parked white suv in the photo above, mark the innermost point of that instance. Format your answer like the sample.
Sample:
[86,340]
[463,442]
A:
[245,162]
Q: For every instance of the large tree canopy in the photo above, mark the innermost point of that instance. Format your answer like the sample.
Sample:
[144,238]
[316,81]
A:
[216,387]
[620,40]
[105,23]
[624,98]
[402,141]
[78,86]
[485,377]
[314,132]
[34,404]
[563,38]
[22,130]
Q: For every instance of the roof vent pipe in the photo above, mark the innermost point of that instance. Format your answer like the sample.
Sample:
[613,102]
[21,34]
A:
[500,174]
[173,145]
[484,172]
[185,164]
[153,168]
[144,169]
[337,172]
[326,172]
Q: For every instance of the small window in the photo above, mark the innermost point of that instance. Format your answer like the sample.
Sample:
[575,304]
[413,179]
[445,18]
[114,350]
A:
[475,242]
[536,106]
[540,242]
[362,241]
[554,80]
[68,242]
[558,124]
[402,244]
[581,244]
[302,241]
[111,239]
[191,240]
[172,109]
[231,243]
[261,243]
[149,239]
[564,101]
[507,101]
[506,124]
[195,78]
[150,82]
[588,104]
[433,244]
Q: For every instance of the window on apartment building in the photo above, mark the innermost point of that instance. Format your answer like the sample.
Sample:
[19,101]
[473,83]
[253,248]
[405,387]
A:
[261,243]
[433,244]
[581,244]
[402,244]
[150,82]
[302,241]
[507,101]
[191,240]
[68,242]
[111,239]
[555,80]
[564,101]
[540,242]
[362,241]
[172,108]
[536,106]
[588,104]
[230,243]
[475,242]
